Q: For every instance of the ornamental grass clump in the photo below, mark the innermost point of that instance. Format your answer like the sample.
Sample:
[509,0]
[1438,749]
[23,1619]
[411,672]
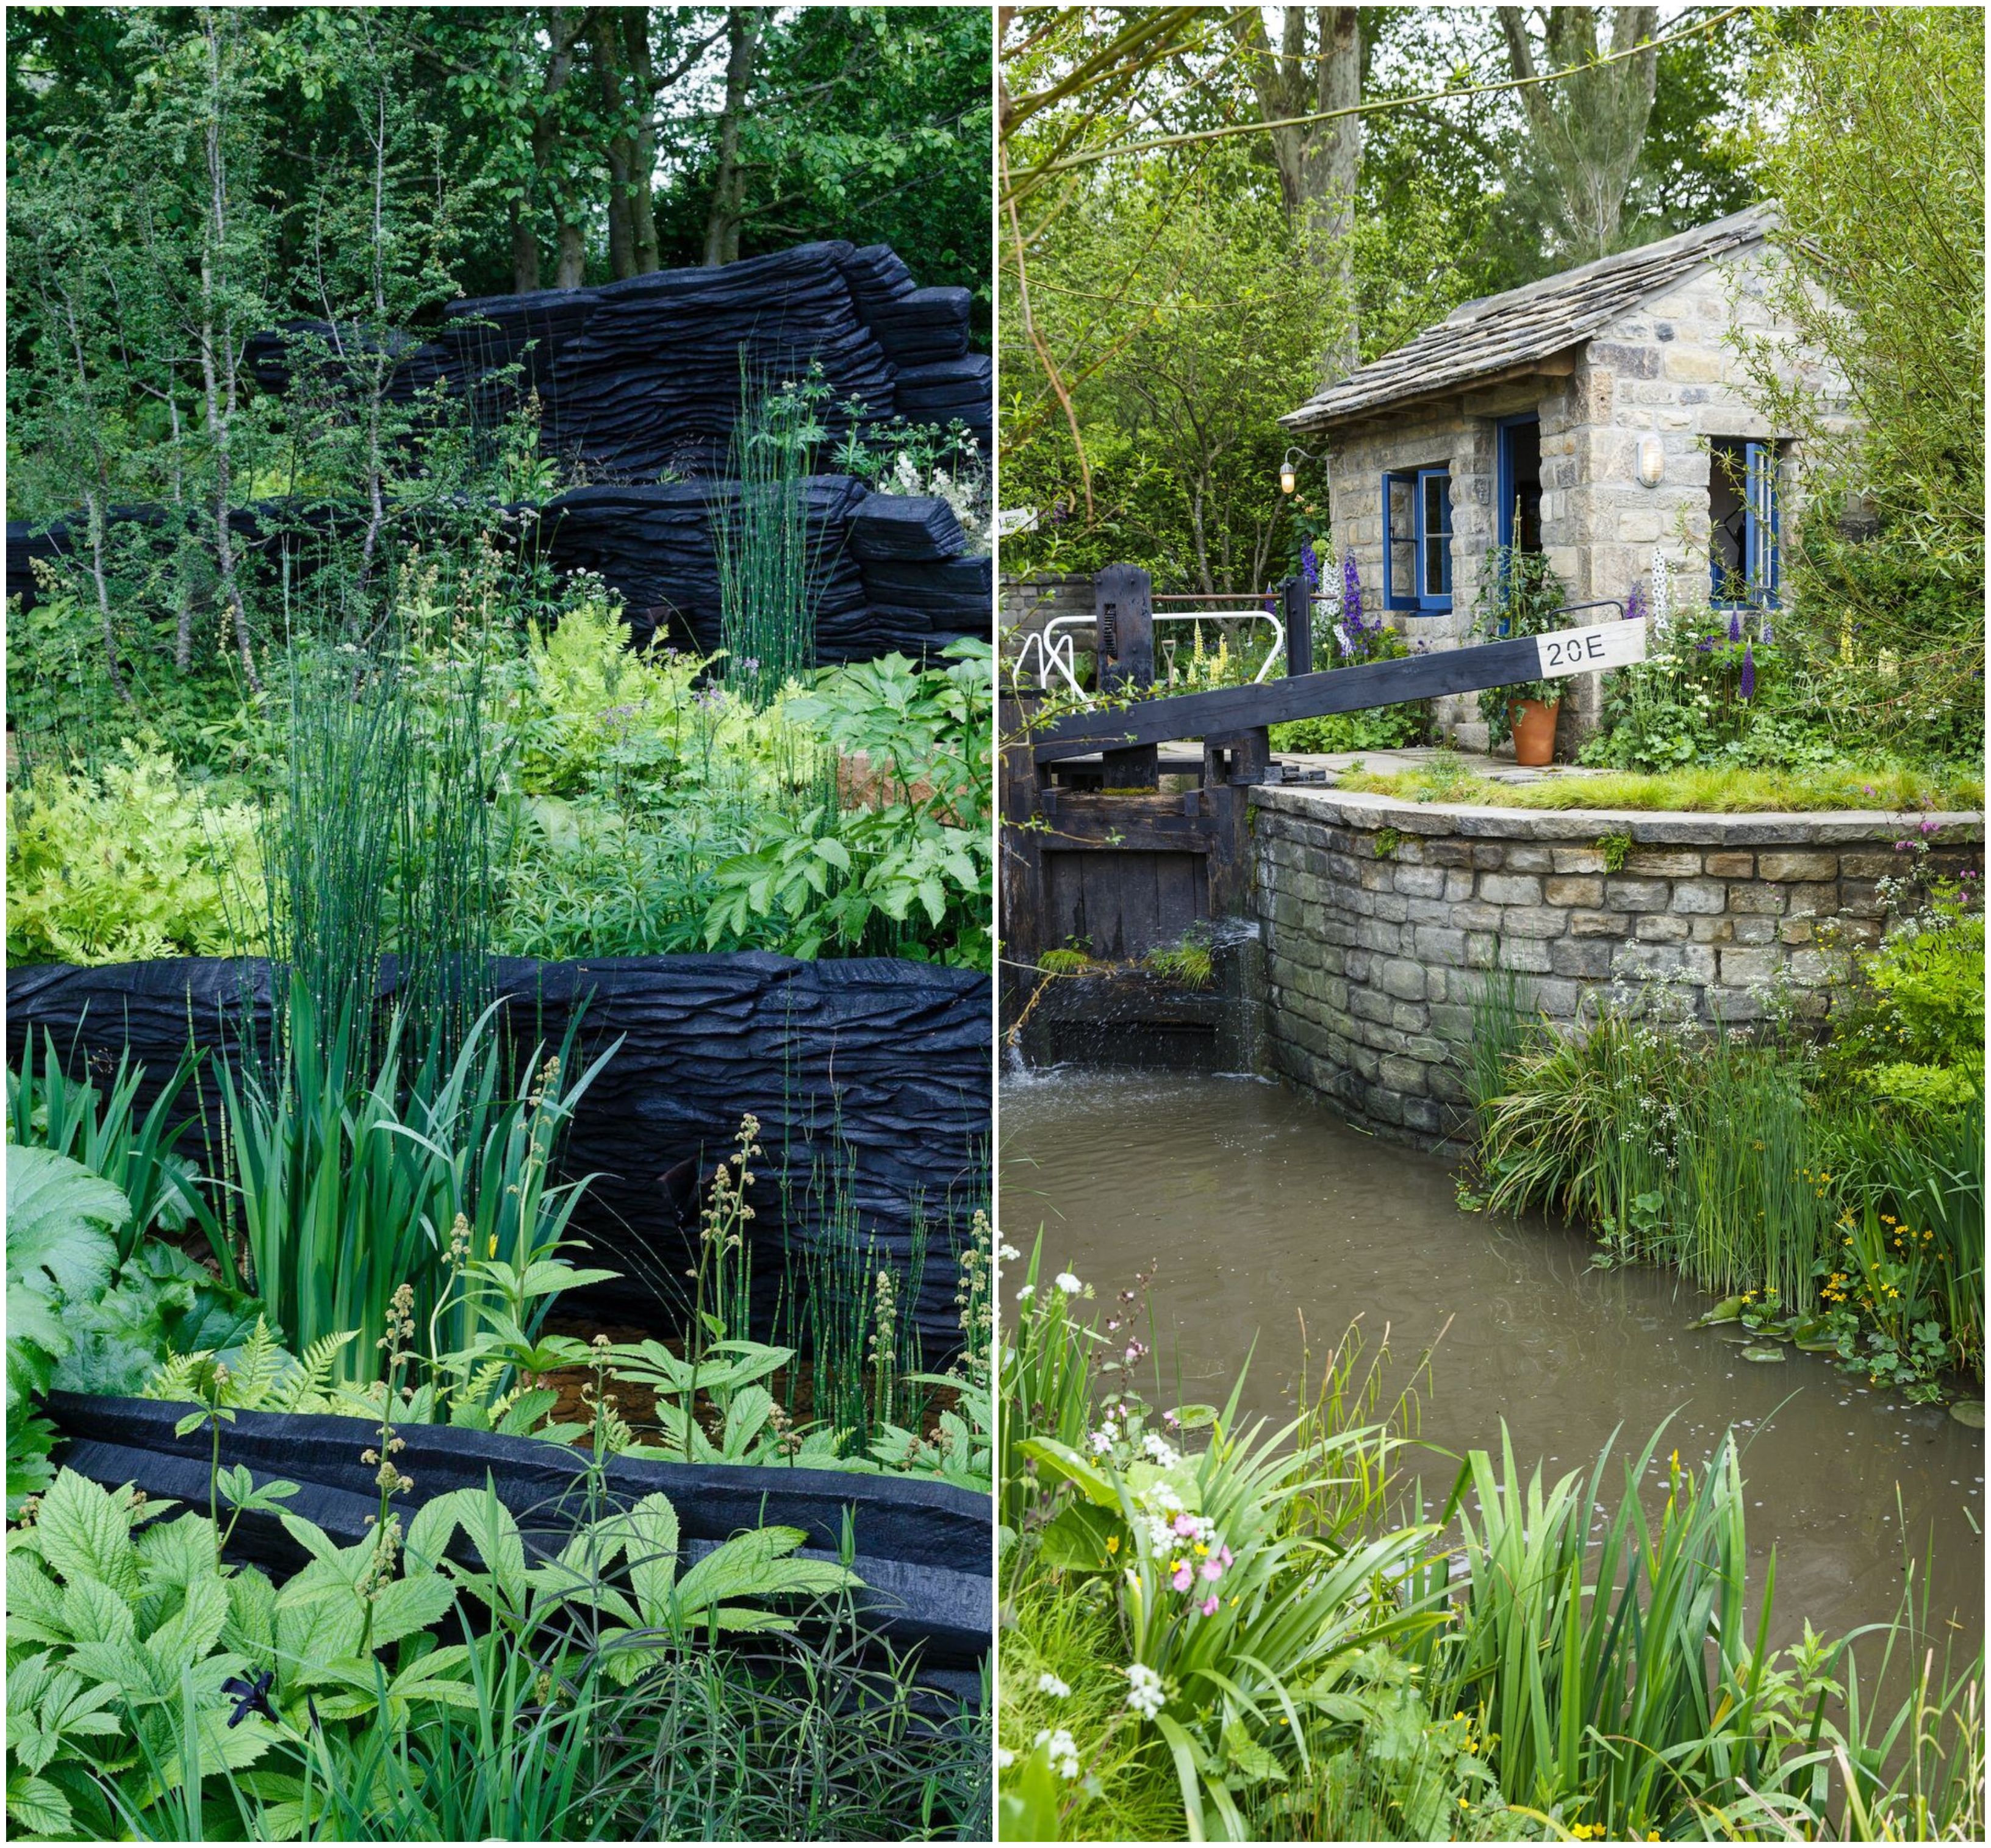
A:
[769,568]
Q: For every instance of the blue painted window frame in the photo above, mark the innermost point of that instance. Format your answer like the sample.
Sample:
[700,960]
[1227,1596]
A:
[1418,596]
[1503,472]
[1430,596]
[1762,513]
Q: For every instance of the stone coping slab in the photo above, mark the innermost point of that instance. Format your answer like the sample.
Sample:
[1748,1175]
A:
[1659,826]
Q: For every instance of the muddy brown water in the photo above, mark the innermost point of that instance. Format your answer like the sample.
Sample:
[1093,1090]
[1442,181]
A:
[1255,1205]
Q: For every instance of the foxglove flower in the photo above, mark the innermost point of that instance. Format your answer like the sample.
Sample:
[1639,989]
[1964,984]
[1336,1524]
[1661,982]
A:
[1634,605]
[1748,687]
[1351,593]
[1310,564]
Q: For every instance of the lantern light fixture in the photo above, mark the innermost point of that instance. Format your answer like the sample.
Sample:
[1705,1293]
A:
[1289,480]
[1651,460]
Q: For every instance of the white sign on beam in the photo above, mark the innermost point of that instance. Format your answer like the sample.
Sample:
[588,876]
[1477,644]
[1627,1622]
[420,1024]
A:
[1592,650]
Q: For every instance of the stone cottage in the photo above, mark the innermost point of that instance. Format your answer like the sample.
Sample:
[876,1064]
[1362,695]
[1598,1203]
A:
[1594,416]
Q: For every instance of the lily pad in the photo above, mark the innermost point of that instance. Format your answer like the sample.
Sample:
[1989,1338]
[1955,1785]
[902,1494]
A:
[1969,1411]
[1762,1353]
[1728,1309]
[1816,1344]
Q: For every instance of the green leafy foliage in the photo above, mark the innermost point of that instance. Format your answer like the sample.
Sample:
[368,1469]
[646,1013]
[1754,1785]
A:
[132,863]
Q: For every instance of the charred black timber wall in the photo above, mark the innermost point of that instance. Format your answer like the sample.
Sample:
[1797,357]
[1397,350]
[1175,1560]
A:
[889,571]
[643,376]
[882,1068]
[922,1547]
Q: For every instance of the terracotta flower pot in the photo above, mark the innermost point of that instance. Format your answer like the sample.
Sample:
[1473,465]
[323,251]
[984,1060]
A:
[1534,723]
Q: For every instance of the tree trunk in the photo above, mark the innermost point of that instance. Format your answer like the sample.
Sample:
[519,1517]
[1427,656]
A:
[573,268]
[605,43]
[643,143]
[219,391]
[729,188]
[1589,129]
[1320,163]
[524,251]
[564,26]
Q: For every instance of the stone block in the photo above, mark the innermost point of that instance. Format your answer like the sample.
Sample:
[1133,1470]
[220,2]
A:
[1448,852]
[1589,956]
[1486,857]
[1732,1006]
[1623,894]
[1700,897]
[1762,900]
[1645,960]
[1420,881]
[1568,890]
[1403,978]
[1576,859]
[1729,864]
[1866,865]
[1742,968]
[1860,898]
[1452,1021]
[1457,885]
[1529,859]
[1796,930]
[1797,865]
[1814,967]
[1369,1004]
[1661,926]
[1529,955]
[1404,1076]
[1534,921]
[1438,945]
[1482,949]
[1814,901]
[1662,862]
[1599,924]
[1410,1016]
[1554,995]
[1510,889]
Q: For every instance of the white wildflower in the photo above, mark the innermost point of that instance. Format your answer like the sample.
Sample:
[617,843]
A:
[1069,1284]
[1050,1684]
[1062,1750]
[1144,1693]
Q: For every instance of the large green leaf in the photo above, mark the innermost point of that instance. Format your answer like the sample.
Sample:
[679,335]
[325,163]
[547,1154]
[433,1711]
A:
[60,1218]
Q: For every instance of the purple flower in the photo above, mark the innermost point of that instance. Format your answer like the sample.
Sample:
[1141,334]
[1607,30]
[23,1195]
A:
[1634,604]
[1310,564]
[1763,627]
[1734,625]
[1351,593]
[1748,688]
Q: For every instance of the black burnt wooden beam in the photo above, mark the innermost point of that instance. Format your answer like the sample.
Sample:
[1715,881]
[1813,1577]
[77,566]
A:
[1230,710]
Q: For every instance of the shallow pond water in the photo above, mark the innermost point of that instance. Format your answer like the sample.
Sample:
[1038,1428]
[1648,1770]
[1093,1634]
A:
[1256,1205]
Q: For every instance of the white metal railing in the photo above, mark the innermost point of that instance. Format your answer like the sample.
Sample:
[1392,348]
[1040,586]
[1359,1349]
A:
[1052,652]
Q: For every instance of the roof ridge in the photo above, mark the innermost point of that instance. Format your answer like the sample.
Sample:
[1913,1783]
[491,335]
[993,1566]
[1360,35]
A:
[1546,316]
[1757,220]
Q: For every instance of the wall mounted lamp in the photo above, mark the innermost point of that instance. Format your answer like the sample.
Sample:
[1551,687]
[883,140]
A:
[1289,480]
[1652,461]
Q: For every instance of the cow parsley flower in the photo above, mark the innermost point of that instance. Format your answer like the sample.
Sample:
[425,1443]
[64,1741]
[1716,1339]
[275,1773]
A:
[1048,1683]
[1062,1750]
[1144,1693]
[1068,1283]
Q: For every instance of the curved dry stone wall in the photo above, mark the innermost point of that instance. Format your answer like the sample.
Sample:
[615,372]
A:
[1382,921]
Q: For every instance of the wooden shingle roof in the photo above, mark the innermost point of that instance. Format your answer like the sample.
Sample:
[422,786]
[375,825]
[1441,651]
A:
[1500,334]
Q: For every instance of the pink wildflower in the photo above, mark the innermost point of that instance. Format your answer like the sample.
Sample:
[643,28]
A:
[1212,1571]
[1209,1606]
[1183,1577]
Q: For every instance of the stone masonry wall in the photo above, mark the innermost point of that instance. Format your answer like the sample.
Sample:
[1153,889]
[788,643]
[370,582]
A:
[1381,920]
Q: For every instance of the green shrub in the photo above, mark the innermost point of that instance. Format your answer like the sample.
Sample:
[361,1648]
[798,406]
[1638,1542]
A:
[131,863]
